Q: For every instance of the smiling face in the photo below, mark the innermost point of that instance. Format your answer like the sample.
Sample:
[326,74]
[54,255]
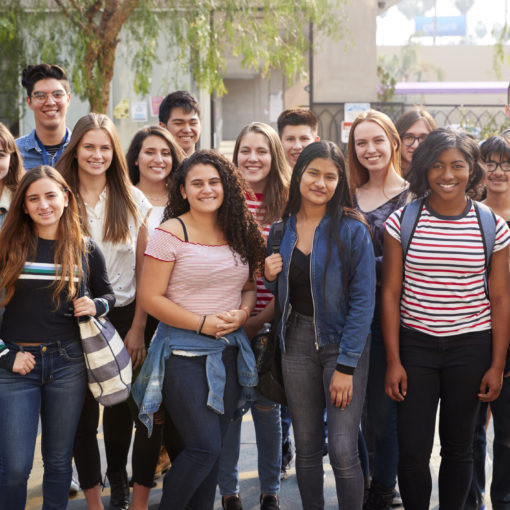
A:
[49,113]
[185,127]
[411,139]
[318,182]
[294,140]
[373,149]
[154,160]
[44,203]
[254,160]
[203,189]
[448,179]
[94,153]
[497,180]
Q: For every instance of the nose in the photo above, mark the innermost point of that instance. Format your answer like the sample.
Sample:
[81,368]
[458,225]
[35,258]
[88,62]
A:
[320,181]
[252,156]
[158,157]
[97,153]
[186,128]
[49,99]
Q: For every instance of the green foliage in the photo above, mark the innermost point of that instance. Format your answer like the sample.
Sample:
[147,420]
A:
[500,55]
[386,86]
[82,35]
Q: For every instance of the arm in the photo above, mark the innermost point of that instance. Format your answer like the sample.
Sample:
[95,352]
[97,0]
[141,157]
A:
[499,281]
[255,323]
[134,340]
[234,319]
[396,377]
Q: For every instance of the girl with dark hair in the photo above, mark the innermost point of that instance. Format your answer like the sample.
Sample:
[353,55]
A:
[44,258]
[259,156]
[325,273]
[444,315]
[413,127]
[198,280]
[113,213]
[378,191]
[11,170]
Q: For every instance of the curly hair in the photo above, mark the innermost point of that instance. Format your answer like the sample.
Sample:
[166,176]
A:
[234,218]
[429,151]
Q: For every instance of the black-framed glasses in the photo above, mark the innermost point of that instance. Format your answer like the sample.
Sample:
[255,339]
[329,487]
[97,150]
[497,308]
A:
[41,97]
[409,140]
[492,165]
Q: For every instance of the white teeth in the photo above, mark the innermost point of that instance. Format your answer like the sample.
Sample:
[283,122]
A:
[447,186]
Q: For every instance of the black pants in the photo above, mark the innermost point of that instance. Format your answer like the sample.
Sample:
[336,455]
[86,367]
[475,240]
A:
[117,423]
[449,369]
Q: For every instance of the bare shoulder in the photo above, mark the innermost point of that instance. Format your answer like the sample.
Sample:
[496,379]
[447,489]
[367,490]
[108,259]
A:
[174,227]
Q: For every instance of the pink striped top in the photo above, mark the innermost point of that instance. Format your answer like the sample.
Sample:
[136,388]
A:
[257,208]
[205,279]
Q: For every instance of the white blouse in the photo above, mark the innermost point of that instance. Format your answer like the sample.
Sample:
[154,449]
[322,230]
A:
[120,257]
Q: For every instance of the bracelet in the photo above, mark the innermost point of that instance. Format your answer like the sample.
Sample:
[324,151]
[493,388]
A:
[243,309]
[202,322]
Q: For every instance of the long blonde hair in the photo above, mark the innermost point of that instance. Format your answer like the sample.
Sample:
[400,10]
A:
[18,239]
[120,201]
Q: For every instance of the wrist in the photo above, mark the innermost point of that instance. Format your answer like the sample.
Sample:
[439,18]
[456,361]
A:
[246,310]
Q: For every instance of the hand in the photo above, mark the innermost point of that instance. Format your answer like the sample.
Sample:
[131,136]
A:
[24,362]
[340,389]
[395,383]
[273,266]
[135,345]
[491,384]
[229,322]
[84,306]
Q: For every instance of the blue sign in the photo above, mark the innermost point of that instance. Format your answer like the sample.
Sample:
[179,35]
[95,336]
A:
[444,25]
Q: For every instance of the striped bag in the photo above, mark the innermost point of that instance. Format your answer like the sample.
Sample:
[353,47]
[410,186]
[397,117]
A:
[108,363]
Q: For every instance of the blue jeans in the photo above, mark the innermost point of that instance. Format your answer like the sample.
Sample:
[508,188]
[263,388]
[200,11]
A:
[307,373]
[381,414]
[447,369]
[53,390]
[500,486]
[268,434]
[191,481]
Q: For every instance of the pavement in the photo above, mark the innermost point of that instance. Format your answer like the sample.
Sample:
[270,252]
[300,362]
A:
[289,494]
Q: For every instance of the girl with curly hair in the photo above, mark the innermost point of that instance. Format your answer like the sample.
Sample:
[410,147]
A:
[11,169]
[325,274]
[445,302]
[44,259]
[198,280]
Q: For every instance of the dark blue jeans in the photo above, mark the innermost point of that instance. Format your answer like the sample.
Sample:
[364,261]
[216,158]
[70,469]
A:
[191,481]
[446,369]
[307,374]
[500,486]
[53,390]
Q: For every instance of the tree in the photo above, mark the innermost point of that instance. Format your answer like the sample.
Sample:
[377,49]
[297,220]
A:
[84,34]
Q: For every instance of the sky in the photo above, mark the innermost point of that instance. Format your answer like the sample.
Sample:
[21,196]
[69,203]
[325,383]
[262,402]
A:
[393,28]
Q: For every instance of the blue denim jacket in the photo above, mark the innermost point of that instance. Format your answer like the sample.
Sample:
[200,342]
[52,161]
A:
[31,152]
[338,318]
[148,387]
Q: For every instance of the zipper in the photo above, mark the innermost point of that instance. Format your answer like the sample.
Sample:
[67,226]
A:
[285,305]
[311,290]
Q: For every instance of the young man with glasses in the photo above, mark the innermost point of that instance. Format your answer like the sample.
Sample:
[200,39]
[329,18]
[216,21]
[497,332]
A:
[48,97]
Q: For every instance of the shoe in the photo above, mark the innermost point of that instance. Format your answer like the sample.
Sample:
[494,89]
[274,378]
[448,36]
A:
[397,500]
[379,498]
[269,502]
[231,502]
[119,490]
[74,488]
[287,458]
[163,463]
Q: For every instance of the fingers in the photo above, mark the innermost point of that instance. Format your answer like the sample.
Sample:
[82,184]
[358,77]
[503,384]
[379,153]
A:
[23,363]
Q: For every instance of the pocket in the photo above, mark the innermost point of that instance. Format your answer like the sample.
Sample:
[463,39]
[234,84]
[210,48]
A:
[72,352]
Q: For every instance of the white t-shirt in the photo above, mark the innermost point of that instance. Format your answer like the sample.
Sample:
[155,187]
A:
[120,257]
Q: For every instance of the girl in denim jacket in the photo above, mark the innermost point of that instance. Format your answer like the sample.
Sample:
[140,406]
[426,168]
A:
[325,273]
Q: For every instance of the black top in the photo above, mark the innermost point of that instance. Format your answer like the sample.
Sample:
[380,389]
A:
[33,316]
[300,290]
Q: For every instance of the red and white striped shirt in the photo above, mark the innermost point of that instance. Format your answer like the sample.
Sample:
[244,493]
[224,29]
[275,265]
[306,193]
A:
[444,287]
[258,210]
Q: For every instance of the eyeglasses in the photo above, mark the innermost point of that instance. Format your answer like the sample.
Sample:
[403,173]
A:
[492,165]
[41,97]
[409,140]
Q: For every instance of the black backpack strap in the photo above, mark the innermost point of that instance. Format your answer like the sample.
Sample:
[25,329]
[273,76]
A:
[277,235]
[183,228]
[408,221]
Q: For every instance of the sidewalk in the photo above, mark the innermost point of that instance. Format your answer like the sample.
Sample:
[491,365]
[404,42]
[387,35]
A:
[289,494]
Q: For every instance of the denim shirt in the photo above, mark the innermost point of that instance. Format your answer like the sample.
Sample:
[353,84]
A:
[32,153]
[147,391]
[343,308]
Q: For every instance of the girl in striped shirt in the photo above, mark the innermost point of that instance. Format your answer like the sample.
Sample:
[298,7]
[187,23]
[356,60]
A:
[445,333]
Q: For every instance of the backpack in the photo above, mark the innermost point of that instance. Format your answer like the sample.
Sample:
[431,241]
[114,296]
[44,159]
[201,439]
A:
[486,222]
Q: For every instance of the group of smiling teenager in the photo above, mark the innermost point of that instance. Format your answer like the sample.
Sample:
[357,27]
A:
[184,240]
